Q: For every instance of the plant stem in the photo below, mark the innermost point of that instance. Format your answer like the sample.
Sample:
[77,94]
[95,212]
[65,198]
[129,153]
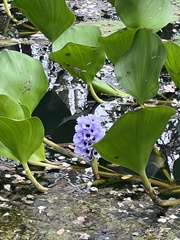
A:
[94,165]
[7,8]
[8,11]
[153,195]
[59,148]
[93,93]
[32,178]
[44,164]
[166,188]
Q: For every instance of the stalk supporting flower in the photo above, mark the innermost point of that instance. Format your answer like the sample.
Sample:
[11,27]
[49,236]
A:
[93,93]
[88,131]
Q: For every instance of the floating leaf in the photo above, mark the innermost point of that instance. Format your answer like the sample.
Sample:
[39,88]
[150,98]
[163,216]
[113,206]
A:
[21,137]
[116,44]
[22,78]
[78,51]
[172,62]
[139,68]
[150,14]
[130,140]
[52,18]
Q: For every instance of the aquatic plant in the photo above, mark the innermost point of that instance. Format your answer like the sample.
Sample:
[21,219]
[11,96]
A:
[138,55]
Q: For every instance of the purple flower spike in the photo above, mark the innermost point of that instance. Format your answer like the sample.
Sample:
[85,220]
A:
[88,131]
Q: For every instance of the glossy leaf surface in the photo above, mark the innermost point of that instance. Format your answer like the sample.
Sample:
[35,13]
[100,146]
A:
[139,68]
[52,18]
[22,78]
[77,50]
[82,34]
[150,14]
[172,62]
[130,140]
[21,137]
[116,44]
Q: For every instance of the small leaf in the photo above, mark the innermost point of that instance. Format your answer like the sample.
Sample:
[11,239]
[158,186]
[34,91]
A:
[150,14]
[22,78]
[21,137]
[52,18]
[130,140]
[172,62]
[116,44]
[103,87]
[78,51]
[139,68]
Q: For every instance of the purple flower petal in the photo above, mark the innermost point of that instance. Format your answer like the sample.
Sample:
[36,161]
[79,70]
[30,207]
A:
[88,131]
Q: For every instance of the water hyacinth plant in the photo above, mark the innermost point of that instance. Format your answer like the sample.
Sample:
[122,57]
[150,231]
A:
[137,54]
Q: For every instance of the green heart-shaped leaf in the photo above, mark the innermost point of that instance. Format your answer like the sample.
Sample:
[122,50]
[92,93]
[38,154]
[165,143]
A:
[130,140]
[52,18]
[78,51]
[150,14]
[172,62]
[21,137]
[139,68]
[22,78]
[81,61]
[116,44]
[82,34]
